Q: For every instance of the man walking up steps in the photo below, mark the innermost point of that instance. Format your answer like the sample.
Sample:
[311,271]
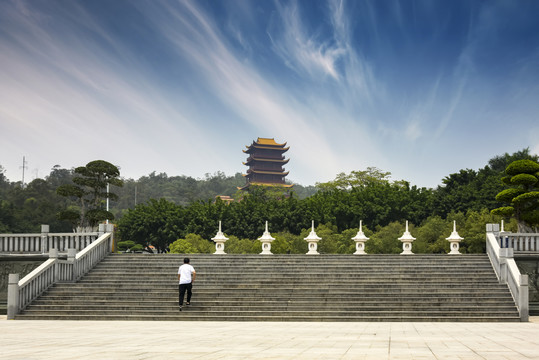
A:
[186,277]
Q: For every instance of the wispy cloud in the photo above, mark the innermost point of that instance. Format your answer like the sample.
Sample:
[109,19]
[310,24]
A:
[182,86]
[304,52]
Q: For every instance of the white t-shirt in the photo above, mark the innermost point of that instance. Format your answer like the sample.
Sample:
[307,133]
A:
[185,272]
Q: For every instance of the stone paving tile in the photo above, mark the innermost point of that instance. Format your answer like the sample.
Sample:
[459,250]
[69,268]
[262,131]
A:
[267,340]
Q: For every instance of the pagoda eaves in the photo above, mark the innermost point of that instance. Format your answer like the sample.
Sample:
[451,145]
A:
[265,163]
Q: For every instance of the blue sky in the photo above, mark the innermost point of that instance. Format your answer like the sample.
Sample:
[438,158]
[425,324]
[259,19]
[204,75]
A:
[421,89]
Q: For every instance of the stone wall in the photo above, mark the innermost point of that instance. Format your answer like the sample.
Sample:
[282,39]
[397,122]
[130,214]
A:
[15,265]
[530,265]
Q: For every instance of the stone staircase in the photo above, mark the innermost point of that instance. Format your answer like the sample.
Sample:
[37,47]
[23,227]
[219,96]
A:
[284,288]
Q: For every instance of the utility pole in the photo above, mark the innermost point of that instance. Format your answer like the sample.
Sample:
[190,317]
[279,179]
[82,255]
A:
[23,168]
[108,200]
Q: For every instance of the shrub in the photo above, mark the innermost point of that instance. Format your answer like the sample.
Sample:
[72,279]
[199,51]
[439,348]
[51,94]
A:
[192,244]
[522,166]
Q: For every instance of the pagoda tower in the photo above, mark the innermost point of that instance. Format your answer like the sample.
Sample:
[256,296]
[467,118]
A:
[265,162]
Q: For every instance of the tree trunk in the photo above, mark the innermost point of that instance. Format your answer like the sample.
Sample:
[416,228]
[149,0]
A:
[525,228]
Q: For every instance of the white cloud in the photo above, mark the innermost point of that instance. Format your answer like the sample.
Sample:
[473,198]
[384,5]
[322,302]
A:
[301,51]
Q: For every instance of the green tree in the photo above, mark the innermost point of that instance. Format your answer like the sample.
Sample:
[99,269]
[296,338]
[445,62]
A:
[287,243]
[157,223]
[385,239]
[355,179]
[522,197]
[192,244]
[90,189]
[235,245]
[431,236]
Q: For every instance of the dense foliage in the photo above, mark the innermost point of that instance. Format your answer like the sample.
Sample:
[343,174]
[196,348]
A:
[177,212]
[90,189]
[522,198]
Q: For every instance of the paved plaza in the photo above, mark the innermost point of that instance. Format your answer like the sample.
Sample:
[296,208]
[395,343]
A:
[266,340]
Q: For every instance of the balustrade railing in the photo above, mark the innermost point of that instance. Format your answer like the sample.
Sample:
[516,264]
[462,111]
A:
[520,242]
[43,242]
[22,292]
[507,271]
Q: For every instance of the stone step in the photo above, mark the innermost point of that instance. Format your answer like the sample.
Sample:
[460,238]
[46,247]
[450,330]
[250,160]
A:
[374,316]
[300,301]
[275,310]
[285,288]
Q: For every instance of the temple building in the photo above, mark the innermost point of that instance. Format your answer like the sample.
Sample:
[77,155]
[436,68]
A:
[265,162]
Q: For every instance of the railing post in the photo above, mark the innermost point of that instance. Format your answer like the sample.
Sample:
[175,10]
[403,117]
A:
[53,254]
[505,253]
[523,299]
[101,230]
[71,253]
[44,239]
[13,296]
[110,229]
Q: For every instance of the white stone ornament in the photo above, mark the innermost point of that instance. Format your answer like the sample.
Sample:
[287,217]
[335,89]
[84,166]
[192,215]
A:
[312,240]
[266,240]
[454,240]
[219,240]
[360,239]
[407,240]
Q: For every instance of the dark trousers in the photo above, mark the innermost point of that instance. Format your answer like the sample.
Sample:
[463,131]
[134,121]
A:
[189,288]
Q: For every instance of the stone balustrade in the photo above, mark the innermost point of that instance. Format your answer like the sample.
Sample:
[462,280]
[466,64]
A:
[22,292]
[519,242]
[507,271]
[43,242]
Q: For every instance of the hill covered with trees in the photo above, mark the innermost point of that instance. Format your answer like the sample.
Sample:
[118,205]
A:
[162,210]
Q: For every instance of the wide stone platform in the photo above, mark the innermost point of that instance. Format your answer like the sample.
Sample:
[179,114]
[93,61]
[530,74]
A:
[267,340]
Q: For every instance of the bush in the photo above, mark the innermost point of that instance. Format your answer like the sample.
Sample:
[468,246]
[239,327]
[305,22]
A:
[235,245]
[508,195]
[136,248]
[192,244]
[125,245]
[524,179]
[522,166]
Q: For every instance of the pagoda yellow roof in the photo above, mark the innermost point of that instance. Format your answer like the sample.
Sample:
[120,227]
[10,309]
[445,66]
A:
[267,147]
[268,141]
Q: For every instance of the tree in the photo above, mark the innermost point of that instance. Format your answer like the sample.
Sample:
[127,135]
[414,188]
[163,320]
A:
[192,244]
[385,239]
[90,189]
[356,179]
[523,195]
[157,223]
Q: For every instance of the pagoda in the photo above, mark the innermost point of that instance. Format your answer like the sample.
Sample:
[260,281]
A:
[265,162]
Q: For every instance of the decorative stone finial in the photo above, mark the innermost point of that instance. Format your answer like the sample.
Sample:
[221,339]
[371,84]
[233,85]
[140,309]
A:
[313,240]
[407,240]
[266,240]
[219,240]
[360,239]
[454,240]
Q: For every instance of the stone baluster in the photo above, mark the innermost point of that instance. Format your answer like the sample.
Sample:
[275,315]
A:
[44,239]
